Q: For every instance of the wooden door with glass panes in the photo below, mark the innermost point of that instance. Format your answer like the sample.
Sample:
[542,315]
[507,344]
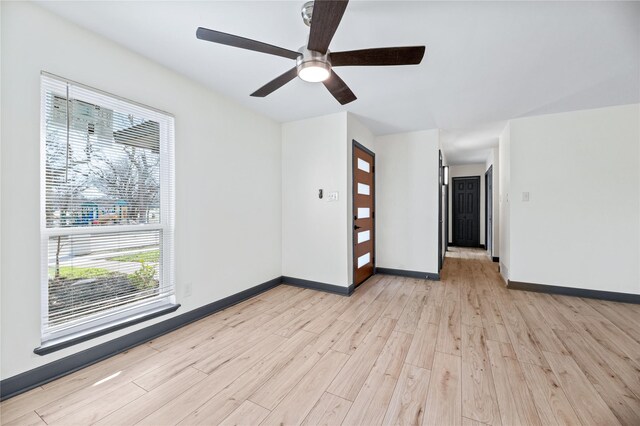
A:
[363,213]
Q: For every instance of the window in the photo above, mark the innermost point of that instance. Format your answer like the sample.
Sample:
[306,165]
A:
[107,210]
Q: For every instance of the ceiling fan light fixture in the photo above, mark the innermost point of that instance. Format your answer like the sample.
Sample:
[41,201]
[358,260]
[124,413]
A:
[314,72]
[313,66]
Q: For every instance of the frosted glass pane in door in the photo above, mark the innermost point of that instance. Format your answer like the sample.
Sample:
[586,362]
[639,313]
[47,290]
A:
[363,165]
[364,259]
[364,236]
[363,189]
[363,212]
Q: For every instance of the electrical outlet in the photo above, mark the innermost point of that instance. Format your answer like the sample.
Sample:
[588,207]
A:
[332,196]
[187,289]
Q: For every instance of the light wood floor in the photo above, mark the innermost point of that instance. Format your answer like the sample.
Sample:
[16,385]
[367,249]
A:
[464,350]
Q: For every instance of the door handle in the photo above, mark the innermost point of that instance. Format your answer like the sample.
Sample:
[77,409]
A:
[356,227]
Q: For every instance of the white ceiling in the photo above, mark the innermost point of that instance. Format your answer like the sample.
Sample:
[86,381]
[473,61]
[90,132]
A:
[486,62]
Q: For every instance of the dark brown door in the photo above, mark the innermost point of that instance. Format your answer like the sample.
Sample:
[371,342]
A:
[363,213]
[466,211]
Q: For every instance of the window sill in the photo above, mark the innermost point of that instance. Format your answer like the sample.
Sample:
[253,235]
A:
[67,341]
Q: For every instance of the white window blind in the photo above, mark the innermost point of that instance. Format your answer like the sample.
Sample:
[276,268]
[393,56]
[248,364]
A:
[107,209]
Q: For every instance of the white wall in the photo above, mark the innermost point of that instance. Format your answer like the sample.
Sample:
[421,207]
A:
[580,227]
[228,174]
[317,234]
[494,160]
[504,152]
[462,171]
[315,231]
[407,201]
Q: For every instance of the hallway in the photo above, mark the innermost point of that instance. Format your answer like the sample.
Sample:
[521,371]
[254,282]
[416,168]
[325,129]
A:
[464,350]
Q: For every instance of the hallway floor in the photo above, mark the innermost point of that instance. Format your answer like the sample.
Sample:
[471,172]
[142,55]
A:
[464,350]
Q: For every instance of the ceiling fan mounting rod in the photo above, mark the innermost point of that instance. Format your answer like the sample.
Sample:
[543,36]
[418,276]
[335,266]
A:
[307,13]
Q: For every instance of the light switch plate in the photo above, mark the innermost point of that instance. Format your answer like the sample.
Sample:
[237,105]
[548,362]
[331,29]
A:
[332,196]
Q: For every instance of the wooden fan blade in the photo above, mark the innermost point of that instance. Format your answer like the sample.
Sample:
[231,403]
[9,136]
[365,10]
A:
[411,55]
[339,89]
[244,43]
[276,83]
[325,19]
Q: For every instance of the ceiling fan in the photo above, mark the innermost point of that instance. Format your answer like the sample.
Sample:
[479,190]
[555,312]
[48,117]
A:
[314,62]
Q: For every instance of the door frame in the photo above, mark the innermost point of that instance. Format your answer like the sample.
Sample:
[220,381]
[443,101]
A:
[476,213]
[440,187]
[446,219]
[488,209]
[356,144]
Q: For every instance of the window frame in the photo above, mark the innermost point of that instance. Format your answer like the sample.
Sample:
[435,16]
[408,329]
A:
[115,318]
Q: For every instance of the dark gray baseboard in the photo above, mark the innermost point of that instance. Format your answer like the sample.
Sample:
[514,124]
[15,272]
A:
[315,285]
[578,292]
[495,259]
[38,376]
[411,274]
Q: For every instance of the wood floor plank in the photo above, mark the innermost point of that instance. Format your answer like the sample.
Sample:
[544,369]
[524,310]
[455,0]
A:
[546,306]
[610,336]
[392,285]
[277,354]
[551,402]
[304,396]
[623,319]
[492,321]
[247,413]
[370,405]
[587,403]
[401,298]
[608,346]
[280,384]
[449,331]
[544,336]
[92,412]
[349,382]
[512,393]
[432,310]
[323,320]
[218,349]
[308,315]
[151,401]
[505,399]
[468,422]
[353,337]
[409,397]
[478,391]
[522,338]
[329,410]
[612,389]
[423,346]
[368,293]
[408,321]
[29,419]
[470,305]
[444,398]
